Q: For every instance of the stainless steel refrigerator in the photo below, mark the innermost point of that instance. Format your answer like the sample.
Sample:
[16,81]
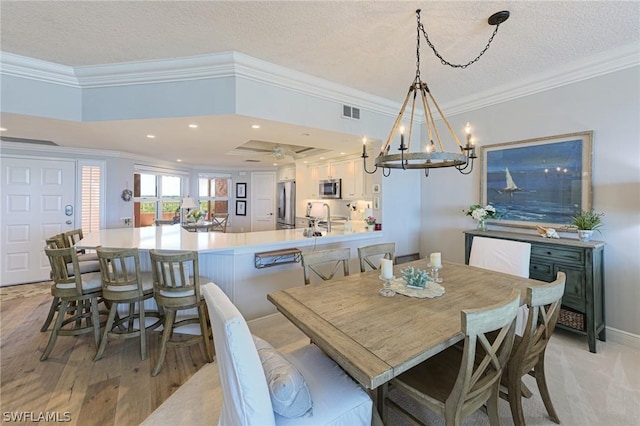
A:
[286,218]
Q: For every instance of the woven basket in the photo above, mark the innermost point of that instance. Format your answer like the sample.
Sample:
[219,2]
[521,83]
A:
[571,319]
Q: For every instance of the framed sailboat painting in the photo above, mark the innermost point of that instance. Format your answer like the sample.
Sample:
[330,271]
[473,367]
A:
[542,181]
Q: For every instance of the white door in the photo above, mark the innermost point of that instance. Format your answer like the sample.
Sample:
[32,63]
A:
[263,190]
[37,202]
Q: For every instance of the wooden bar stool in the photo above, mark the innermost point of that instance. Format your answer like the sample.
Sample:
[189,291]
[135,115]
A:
[78,297]
[176,285]
[123,283]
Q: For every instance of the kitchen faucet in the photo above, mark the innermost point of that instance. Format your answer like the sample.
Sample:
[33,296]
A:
[328,217]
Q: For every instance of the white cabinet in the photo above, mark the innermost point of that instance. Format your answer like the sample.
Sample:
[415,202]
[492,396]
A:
[317,172]
[287,173]
[355,182]
[345,170]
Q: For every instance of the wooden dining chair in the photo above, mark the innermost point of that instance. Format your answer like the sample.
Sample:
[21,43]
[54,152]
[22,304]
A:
[457,382]
[176,287]
[370,255]
[263,386]
[317,260]
[78,296]
[527,355]
[124,284]
[219,222]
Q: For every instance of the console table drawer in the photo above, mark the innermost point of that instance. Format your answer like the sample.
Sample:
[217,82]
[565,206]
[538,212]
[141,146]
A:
[541,271]
[557,253]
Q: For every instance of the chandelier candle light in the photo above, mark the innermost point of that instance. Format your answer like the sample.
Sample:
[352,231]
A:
[434,155]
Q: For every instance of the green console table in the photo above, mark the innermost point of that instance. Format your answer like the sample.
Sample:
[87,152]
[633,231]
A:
[583,262]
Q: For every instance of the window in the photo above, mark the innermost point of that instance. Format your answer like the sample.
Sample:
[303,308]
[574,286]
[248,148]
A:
[156,196]
[213,193]
[91,194]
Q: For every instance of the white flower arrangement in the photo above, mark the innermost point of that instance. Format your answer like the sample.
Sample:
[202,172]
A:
[479,213]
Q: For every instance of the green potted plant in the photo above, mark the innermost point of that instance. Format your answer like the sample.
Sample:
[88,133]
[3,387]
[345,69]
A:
[587,221]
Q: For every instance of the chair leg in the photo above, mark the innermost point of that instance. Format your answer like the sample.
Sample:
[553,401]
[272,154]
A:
[55,303]
[515,397]
[107,329]
[492,405]
[202,314]
[541,380]
[170,316]
[95,318]
[143,330]
[56,327]
[132,312]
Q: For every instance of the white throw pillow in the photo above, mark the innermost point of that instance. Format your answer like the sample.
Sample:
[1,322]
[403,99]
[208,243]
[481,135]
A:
[289,393]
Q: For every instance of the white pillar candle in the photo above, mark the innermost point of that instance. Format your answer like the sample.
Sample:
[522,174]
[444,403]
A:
[387,269]
[436,259]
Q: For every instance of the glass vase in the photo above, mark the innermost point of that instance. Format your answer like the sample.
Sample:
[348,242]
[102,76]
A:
[482,225]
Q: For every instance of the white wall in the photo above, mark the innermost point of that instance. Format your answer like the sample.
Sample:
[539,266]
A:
[610,106]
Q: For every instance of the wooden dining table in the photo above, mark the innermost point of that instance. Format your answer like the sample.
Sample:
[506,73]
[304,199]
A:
[375,338]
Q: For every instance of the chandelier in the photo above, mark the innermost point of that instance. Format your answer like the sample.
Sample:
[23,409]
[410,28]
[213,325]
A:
[434,156]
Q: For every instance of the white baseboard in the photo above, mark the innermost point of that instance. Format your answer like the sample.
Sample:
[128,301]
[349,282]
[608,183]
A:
[623,337]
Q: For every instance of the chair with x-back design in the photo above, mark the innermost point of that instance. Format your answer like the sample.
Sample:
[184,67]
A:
[458,381]
[318,260]
[370,255]
[527,355]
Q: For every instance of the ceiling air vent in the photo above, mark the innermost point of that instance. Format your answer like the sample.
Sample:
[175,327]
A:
[350,112]
[251,161]
[24,140]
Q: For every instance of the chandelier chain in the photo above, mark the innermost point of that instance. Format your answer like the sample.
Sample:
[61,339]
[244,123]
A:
[444,61]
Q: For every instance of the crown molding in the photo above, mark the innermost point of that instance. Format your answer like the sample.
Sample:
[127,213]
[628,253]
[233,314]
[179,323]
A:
[239,65]
[35,69]
[611,61]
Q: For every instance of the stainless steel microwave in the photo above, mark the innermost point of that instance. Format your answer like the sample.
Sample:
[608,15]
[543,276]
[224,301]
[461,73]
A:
[330,188]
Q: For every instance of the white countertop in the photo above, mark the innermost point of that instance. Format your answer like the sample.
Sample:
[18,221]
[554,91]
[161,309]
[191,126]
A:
[174,237]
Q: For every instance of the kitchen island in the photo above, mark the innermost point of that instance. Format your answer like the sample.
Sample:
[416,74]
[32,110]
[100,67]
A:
[228,259]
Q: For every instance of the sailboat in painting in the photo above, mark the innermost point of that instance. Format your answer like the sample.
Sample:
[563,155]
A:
[510,185]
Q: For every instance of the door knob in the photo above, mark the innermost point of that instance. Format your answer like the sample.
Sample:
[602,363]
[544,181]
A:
[68,222]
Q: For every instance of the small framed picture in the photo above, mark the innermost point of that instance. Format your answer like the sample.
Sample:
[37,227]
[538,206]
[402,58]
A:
[376,188]
[376,203]
[241,190]
[241,208]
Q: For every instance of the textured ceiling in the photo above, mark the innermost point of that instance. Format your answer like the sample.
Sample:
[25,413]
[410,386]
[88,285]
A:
[367,45]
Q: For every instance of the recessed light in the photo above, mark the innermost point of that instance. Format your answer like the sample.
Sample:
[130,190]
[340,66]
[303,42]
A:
[2,129]
[322,158]
[342,153]
[151,136]
[179,160]
[275,164]
[305,162]
[255,126]
[193,126]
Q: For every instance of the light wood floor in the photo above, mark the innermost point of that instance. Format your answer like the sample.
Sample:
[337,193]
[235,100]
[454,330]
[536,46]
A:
[117,390]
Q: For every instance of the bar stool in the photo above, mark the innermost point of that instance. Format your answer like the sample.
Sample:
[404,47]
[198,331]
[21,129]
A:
[78,297]
[87,265]
[123,283]
[176,286]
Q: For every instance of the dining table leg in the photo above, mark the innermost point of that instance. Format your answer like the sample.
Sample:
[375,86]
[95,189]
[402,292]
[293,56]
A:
[381,406]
